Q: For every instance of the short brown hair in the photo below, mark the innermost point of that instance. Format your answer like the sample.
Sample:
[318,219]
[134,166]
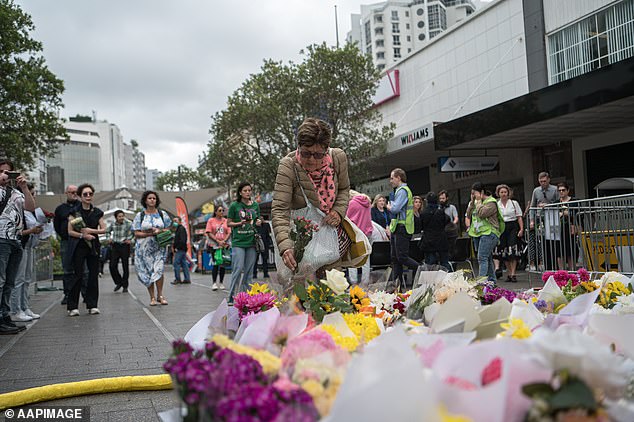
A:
[498,188]
[400,173]
[314,131]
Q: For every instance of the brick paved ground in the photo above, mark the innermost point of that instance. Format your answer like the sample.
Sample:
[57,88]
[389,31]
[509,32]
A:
[123,340]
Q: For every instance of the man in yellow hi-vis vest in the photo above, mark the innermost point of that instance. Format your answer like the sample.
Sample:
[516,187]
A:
[401,226]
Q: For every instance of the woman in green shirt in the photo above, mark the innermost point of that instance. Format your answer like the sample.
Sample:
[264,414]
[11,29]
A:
[243,215]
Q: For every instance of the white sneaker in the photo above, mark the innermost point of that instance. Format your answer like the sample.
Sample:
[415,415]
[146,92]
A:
[21,317]
[32,314]
[222,287]
[215,286]
[74,312]
[93,311]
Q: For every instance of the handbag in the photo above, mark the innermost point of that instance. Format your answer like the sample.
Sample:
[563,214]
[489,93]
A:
[259,243]
[222,256]
[360,249]
[165,238]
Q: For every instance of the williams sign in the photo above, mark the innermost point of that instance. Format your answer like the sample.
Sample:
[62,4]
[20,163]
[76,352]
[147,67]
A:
[417,136]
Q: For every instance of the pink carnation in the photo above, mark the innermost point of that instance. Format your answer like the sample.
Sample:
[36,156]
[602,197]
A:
[247,304]
[309,344]
[584,275]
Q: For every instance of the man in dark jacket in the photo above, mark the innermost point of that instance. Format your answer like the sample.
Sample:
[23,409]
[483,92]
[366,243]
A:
[60,222]
[434,241]
[180,253]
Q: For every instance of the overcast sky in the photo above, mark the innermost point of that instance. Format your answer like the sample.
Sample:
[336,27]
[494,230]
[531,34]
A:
[159,69]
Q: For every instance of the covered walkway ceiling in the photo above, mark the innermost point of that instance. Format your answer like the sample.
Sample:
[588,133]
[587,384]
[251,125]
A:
[599,101]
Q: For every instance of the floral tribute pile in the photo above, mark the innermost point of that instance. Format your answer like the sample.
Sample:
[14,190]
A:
[437,353]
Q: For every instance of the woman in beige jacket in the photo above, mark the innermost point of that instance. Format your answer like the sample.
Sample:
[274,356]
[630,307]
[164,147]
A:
[323,174]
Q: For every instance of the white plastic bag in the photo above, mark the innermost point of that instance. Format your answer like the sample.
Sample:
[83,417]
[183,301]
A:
[322,249]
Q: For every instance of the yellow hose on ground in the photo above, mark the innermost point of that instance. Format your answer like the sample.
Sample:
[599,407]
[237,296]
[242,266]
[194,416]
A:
[80,388]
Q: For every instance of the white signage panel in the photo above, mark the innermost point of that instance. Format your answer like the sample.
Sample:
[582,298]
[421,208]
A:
[455,164]
[417,136]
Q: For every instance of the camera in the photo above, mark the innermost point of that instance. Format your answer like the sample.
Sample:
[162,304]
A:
[13,174]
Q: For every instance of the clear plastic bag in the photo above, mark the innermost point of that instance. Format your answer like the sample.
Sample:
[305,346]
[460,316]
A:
[322,249]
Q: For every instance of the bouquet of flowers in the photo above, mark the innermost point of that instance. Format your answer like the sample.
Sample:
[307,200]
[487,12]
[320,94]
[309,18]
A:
[562,278]
[325,296]
[301,234]
[78,224]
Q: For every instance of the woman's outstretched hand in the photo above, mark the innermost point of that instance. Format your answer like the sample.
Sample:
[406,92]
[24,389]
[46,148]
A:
[289,259]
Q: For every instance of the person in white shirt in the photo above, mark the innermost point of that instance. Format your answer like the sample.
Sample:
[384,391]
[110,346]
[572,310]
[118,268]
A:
[509,248]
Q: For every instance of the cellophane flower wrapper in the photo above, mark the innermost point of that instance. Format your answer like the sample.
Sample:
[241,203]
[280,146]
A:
[613,330]
[527,312]
[459,372]
[567,348]
[459,307]
[614,276]
[429,278]
[336,320]
[385,383]
[430,346]
[574,313]
[197,335]
[287,328]
[256,330]
[551,292]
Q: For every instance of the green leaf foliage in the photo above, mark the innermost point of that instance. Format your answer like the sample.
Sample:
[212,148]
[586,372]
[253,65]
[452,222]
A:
[258,126]
[183,179]
[573,395]
[30,94]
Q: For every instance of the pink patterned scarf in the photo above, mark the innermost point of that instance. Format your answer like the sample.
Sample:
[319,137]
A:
[323,180]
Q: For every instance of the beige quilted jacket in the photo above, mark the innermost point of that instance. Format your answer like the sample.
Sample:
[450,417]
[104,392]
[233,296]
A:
[288,196]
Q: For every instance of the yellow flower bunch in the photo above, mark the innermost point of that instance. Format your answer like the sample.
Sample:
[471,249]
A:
[348,343]
[359,298]
[270,364]
[323,395]
[610,293]
[589,286]
[445,416]
[515,328]
[259,288]
[364,327]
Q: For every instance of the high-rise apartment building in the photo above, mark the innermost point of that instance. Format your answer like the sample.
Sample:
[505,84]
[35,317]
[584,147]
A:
[391,30]
[94,154]
[150,178]
[134,166]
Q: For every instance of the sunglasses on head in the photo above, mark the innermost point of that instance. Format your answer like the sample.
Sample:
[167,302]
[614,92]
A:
[316,155]
[87,194]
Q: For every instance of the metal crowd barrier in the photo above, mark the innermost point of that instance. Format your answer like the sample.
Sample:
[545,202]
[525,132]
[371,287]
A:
[43,265]
[597,234]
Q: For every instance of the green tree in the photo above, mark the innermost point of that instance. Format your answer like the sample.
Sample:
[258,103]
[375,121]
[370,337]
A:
[258,126]
[30,94]
[182,179]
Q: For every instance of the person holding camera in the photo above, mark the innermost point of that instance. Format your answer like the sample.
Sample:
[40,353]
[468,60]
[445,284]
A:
[13,203]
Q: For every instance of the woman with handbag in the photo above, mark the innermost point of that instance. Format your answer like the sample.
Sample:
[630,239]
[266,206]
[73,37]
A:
[243,215]
[314,175]
[218,233]
[508,250]
[149,252]
[85,224]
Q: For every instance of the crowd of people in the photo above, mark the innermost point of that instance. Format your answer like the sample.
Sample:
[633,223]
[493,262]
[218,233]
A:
[313,177]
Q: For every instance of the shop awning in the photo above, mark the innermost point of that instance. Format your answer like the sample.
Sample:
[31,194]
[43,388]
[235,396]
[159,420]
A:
[595,102]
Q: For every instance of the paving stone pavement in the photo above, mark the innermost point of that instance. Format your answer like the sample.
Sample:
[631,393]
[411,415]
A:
[122,340]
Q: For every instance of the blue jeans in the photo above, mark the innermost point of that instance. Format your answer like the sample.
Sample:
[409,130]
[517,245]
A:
[242,260]
[20,294]
[10,257]
[180,261]
[442,257]
[485,246]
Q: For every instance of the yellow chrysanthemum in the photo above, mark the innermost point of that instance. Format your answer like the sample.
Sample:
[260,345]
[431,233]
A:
[610,293]
[259,288]
[348,343]
[359,298]
[364,327]
[516,328]
[589,286]
[270,364]
[445,416]
[313,387]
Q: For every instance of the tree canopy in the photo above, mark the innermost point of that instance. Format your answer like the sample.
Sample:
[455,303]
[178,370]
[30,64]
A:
[258,127]
[30,94]
[183,179]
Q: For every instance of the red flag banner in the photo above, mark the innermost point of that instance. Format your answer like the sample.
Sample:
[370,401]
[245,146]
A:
[181,211]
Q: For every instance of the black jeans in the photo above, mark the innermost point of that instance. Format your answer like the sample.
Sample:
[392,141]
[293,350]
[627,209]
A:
[120,251]
[265,265]
[399,248]
[84,256]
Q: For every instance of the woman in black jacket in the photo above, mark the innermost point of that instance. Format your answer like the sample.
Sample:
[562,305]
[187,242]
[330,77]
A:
[434,241]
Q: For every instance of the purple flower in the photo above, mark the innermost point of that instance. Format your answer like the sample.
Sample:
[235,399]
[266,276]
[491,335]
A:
[493,294]
[541,305]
